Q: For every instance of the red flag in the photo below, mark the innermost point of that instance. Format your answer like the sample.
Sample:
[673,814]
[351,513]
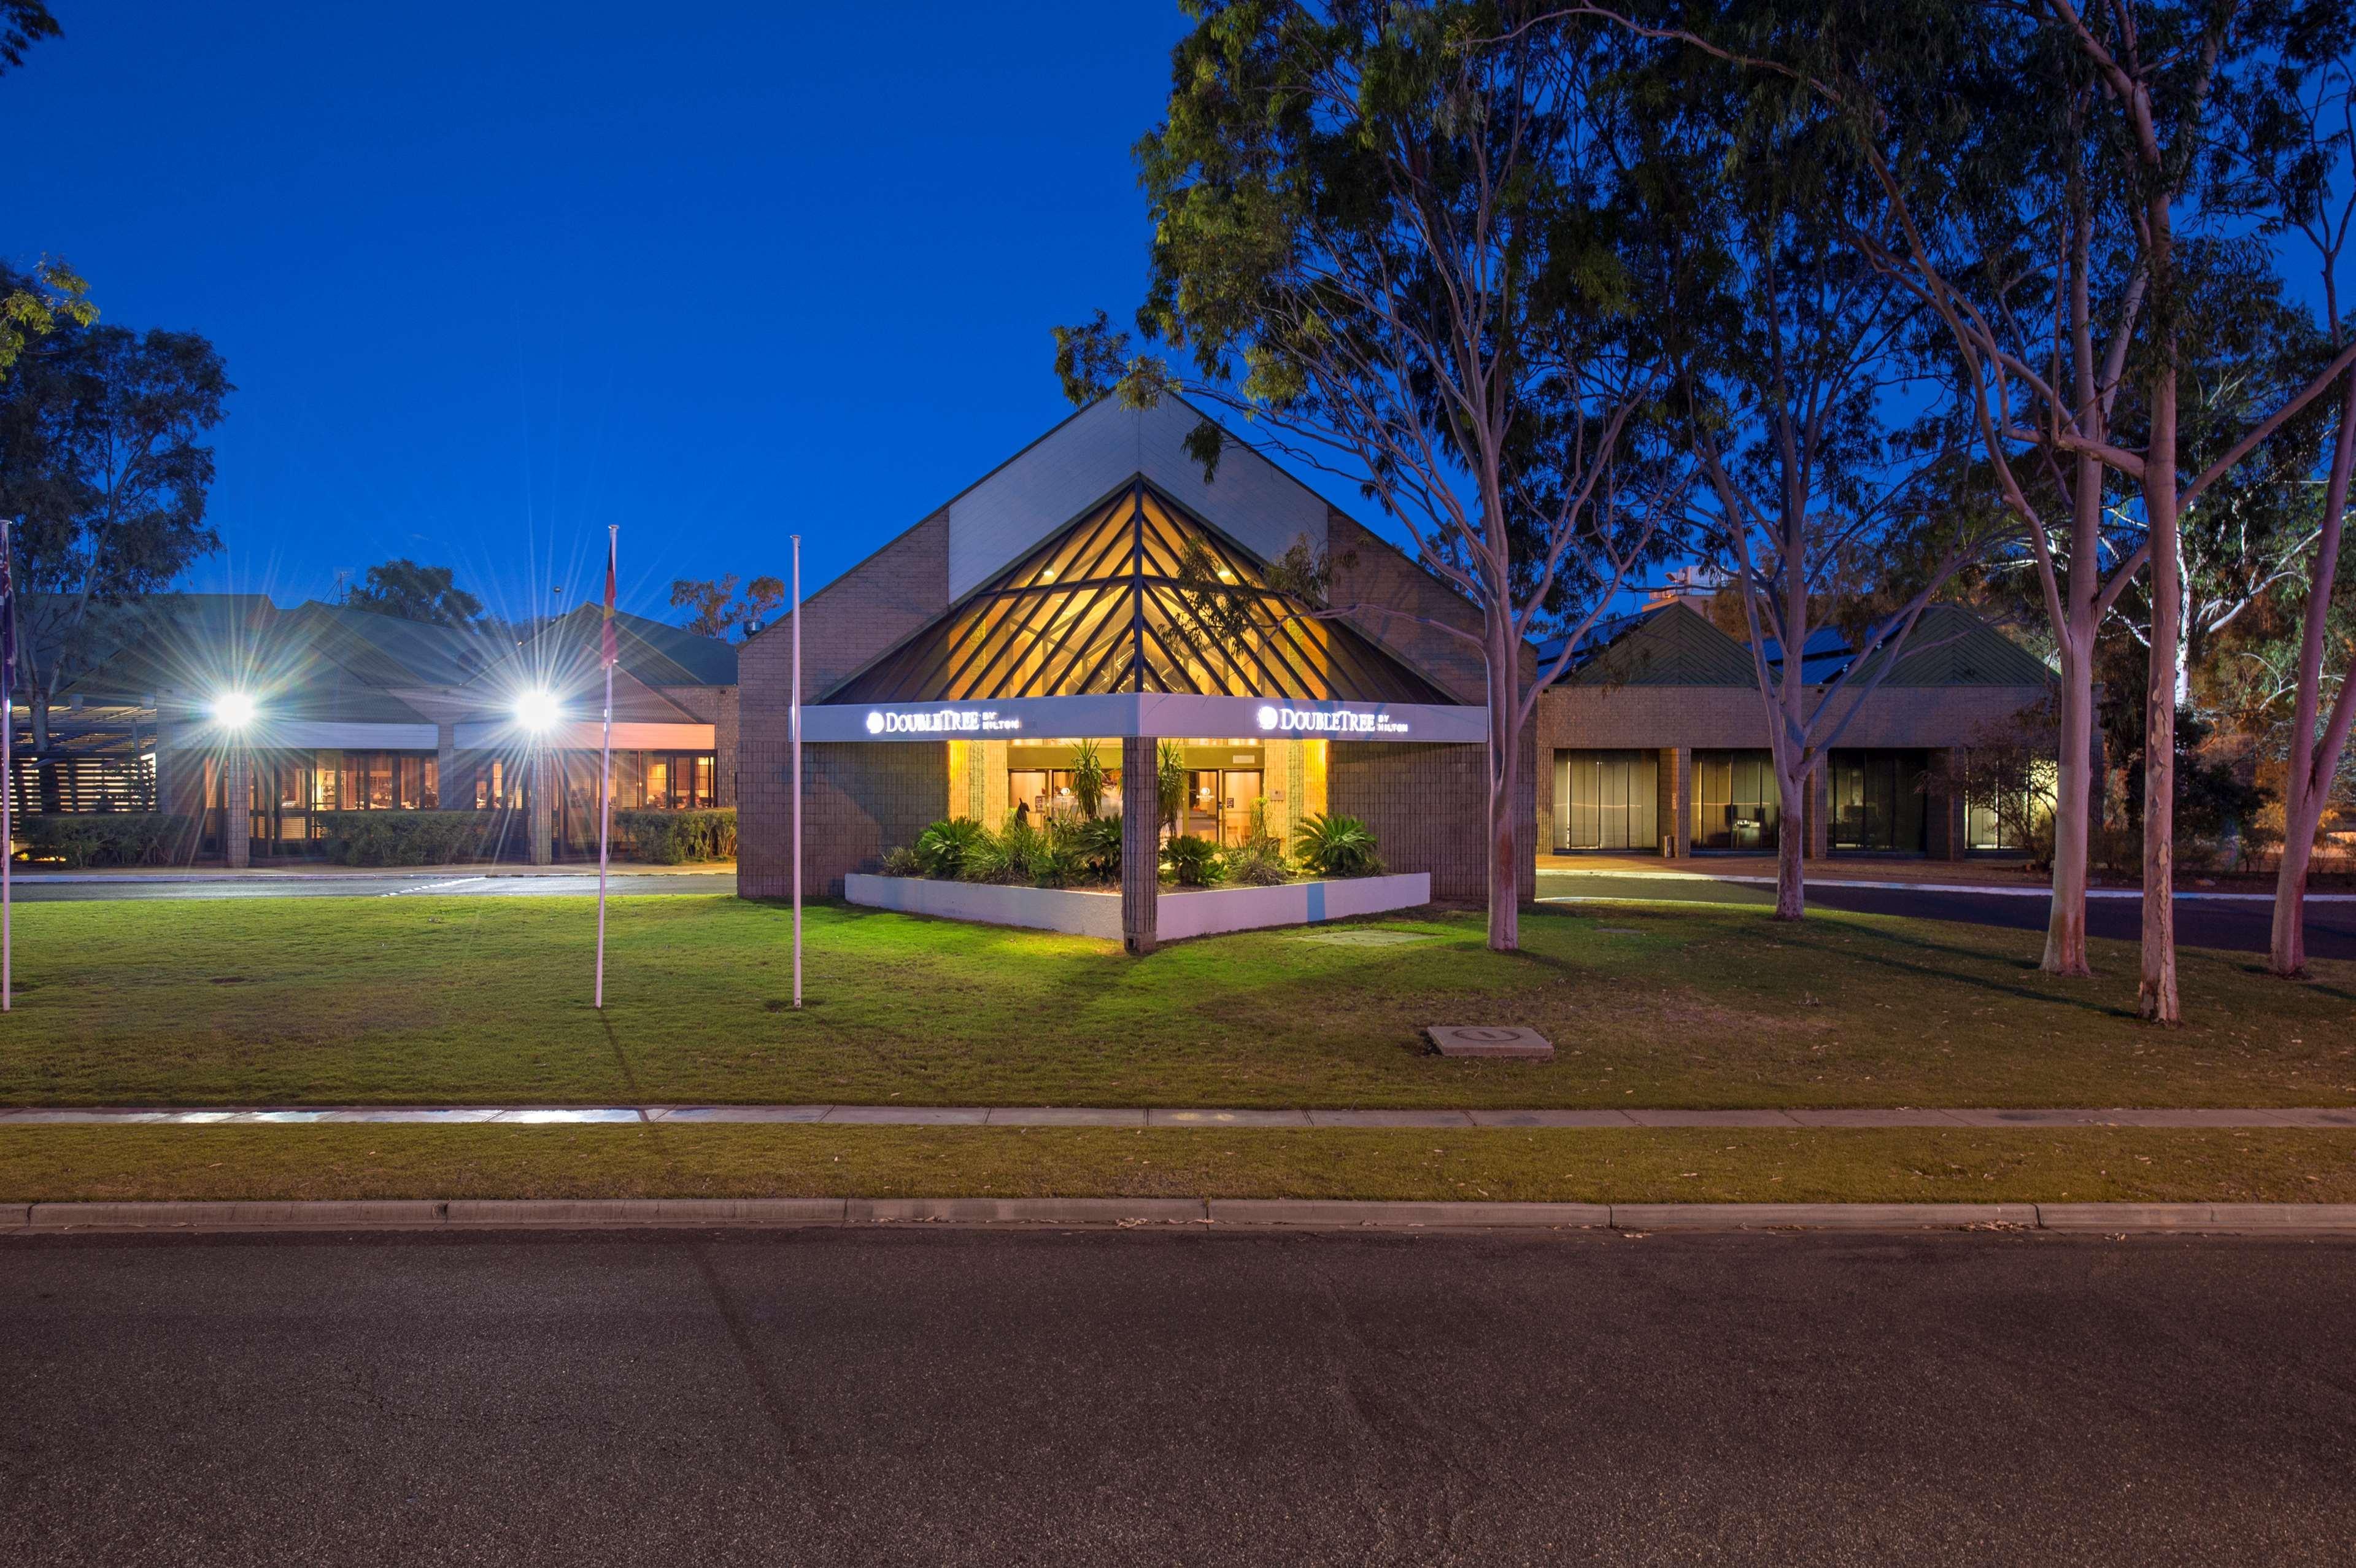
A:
[608,656]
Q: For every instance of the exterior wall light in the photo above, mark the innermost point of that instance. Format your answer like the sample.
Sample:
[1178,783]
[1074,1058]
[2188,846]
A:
[233,709]
[537,710]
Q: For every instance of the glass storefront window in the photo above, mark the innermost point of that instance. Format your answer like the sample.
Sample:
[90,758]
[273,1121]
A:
[1736,803]
[1607,799]
[1877,801]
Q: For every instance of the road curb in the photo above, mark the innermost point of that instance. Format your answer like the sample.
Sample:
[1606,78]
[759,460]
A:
[1307,1214]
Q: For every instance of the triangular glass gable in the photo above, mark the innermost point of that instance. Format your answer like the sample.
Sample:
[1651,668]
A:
[1139,594]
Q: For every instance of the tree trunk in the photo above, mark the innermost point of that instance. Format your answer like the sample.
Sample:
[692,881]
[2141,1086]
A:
[2286,956]
[2156,997]
[2065,925]
[2314,761]
[1791,846]
[1505,772]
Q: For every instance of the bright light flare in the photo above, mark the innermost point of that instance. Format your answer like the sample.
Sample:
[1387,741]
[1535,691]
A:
[233,709]
[537,710]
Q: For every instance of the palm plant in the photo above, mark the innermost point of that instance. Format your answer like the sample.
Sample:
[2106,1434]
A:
[1170,784]
[941,849]
[1088,779]
[1336,846]
[1193,862]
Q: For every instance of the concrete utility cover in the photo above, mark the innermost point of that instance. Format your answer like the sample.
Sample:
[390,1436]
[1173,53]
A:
[1480,1040]
[1358,938]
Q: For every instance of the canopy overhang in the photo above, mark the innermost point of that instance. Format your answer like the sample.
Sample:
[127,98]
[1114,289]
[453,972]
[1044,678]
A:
[1146,715]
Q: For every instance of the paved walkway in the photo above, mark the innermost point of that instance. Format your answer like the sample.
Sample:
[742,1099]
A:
[1077,1116]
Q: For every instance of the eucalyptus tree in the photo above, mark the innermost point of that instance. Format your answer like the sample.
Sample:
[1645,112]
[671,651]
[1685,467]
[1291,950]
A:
[1835,486]
[2297,176]
[2045,166]
[1391,239]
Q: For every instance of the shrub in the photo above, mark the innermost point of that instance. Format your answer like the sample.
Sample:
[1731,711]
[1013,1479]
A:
[1088,779]
[1259,863]
[1096,843]
[402,838]
[941,849]
[1192,862]
[670,838]
[104,838]
[1337,847]
[902,862]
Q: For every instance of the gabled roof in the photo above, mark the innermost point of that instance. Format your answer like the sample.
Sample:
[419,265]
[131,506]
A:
[392,651]
[656,654]
[1669,645]
[1950,646]
[1135,594]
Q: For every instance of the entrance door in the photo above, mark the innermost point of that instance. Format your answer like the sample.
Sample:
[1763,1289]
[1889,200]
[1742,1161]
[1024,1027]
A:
[1238,788]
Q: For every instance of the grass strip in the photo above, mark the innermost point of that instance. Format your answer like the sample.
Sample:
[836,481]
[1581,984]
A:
[486,1001]
[1639,1165]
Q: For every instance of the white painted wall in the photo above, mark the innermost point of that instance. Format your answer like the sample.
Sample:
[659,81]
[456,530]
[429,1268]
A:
[1195,912]
[1048,485]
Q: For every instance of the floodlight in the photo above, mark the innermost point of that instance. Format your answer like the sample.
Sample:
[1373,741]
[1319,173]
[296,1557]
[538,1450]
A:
[537,709]
[233,709]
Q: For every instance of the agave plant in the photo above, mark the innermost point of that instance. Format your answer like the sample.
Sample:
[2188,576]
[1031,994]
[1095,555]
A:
[1336,846]
[902,862]
[941,849]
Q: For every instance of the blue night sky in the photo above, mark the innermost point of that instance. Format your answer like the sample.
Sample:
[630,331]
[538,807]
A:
[714,273]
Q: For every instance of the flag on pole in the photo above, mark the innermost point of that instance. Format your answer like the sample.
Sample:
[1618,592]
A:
[7,768]
[608,653]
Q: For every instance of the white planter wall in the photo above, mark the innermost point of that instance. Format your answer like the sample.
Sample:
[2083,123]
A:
[1193,912]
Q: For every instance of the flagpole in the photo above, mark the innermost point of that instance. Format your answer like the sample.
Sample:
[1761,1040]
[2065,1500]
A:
[797,771]
[7,777]
[606,762]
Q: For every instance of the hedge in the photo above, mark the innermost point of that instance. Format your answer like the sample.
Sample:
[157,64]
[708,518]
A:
[404,838]
[106,838]
[668,838]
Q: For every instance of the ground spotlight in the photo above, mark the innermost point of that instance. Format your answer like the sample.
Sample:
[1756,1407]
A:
[233,709]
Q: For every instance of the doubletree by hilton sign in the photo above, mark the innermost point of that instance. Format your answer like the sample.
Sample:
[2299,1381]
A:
[942,721]
[1327,722]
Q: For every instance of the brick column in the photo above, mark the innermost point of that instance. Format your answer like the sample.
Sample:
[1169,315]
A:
[1676,798]
[1140,844]
[1943,811]
[541,804]
[237,808]
[1818,813]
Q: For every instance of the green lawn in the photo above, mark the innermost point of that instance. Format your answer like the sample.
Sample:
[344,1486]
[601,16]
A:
[1665,1165]
[485,998]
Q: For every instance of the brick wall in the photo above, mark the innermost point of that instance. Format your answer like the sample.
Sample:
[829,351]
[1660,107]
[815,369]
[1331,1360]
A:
[1720,717]
[1370,573]
[858,801]
[1429,807]
[717,706]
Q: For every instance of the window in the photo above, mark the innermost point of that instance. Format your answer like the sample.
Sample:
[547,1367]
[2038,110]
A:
[1877,801]
[1606,799]
[1736,803]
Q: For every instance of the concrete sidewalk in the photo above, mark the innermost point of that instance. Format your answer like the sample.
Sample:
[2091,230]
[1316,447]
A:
[315,872]
[1315,1214]
[2325,1116]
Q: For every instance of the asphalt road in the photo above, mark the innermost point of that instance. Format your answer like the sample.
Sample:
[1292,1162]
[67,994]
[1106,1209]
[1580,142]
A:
[2236,925]
[391,885]
[959,1397]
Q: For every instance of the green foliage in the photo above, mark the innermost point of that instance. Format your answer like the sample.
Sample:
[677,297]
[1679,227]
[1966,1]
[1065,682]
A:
[1193,862]
[412,591]
[901,861]
[1336,846]
[670,838]
[1095,840]
[718,610]
[1170,784]
[35,306]
[941,849]
[106,838]
[1258,863]
[1088,779]
[404,838]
